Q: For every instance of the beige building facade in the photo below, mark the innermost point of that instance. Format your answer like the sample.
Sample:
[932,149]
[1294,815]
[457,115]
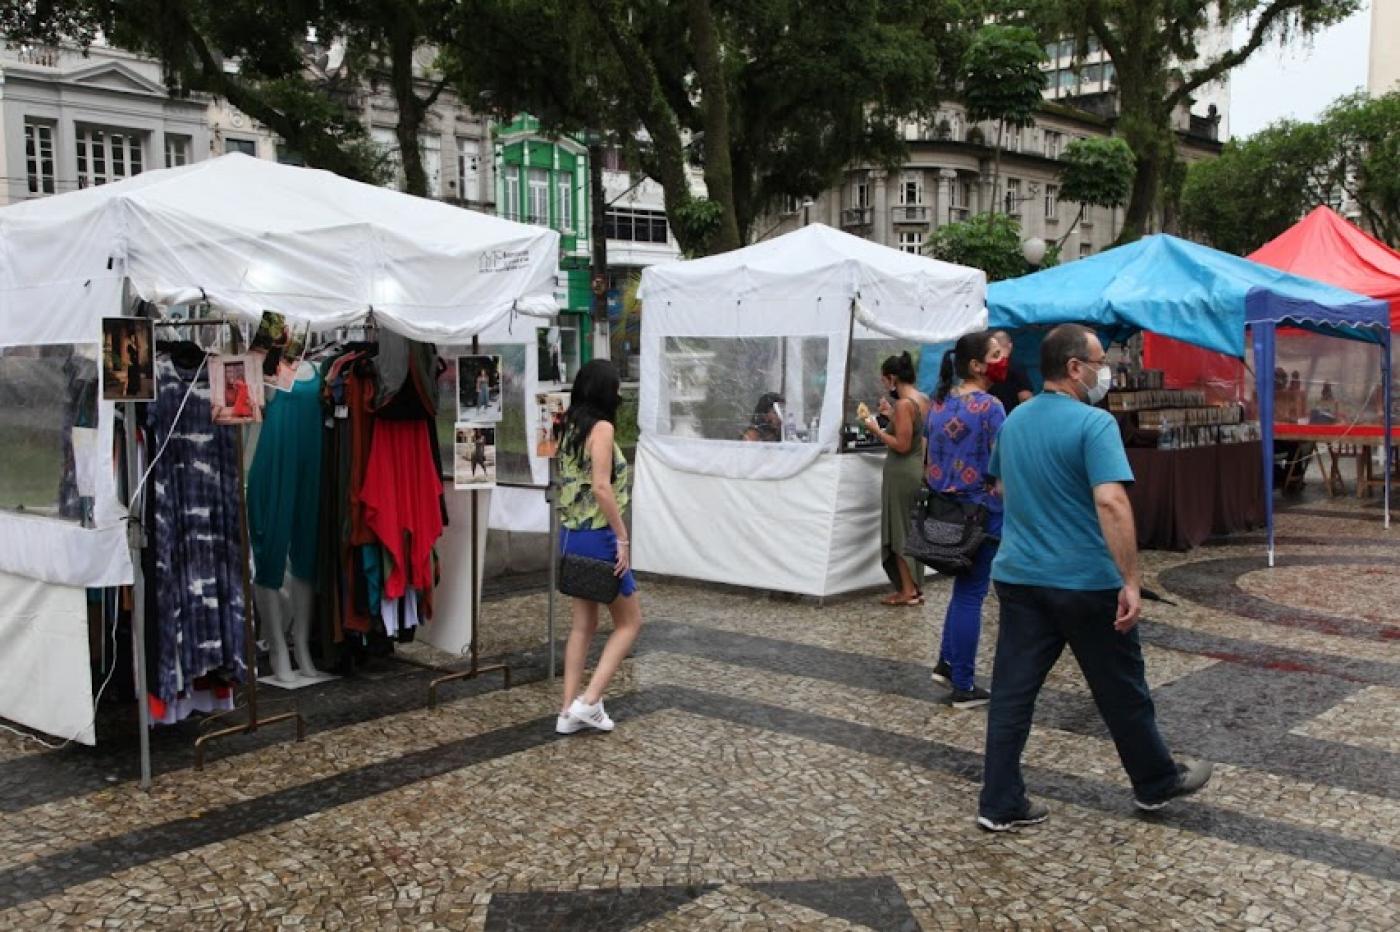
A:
[1383,72]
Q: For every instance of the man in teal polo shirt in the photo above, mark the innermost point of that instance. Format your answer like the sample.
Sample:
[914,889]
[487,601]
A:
[1067,573]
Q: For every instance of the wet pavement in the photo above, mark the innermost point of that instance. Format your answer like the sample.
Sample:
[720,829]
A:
[777,764]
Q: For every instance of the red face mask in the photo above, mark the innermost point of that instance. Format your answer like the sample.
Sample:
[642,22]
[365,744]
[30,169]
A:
[997,371]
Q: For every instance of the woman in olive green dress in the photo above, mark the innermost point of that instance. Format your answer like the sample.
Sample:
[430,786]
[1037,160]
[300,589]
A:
[905,408]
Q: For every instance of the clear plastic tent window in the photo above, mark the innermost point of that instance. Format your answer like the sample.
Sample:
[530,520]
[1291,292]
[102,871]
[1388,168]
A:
[722,388]
[48,427]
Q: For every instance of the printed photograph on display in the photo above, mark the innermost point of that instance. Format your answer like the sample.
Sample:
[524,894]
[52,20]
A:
[128,359]
[236,389]
[474,457]
[550,344]
[552,406]
[279,344]
[479,389]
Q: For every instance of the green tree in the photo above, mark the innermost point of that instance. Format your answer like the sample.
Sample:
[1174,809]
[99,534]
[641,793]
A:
[772,98]
[1259,186]
[312,112]
[1158,65]
[990,242]
[1098,172]
[1366,132]
[1001,80]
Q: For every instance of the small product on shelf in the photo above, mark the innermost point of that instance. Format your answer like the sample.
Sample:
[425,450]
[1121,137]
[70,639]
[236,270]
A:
[1151,415]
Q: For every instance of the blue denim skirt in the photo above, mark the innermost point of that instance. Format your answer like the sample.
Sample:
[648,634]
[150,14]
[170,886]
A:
[600,544]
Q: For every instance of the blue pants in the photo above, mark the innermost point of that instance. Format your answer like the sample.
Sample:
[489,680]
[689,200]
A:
[1036,624]
[962,625]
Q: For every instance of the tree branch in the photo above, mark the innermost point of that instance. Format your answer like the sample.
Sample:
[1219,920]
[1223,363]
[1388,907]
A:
[1234,57]
[1094,16]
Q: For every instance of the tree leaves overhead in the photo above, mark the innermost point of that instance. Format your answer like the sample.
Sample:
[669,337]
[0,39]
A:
[809,86]
[1001,75]
[990,242]
[1261,186]
[1098,171]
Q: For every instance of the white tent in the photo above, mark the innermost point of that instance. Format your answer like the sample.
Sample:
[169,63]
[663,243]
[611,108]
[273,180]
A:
[794,316]
[245,235]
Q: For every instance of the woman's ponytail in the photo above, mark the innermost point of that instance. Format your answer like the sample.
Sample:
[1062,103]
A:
[945,378]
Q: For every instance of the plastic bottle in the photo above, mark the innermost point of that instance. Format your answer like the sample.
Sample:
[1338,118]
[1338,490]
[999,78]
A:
[789,426]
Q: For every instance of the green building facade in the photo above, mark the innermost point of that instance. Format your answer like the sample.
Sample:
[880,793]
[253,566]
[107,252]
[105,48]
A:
[544,181]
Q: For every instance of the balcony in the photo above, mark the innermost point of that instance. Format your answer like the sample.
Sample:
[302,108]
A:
[857,216]
[910,213]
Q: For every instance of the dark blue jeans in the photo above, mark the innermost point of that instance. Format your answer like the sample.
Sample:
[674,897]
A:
[1036,624]
[962,624]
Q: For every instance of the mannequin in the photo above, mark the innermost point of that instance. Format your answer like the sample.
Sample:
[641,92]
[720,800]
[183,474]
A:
[287,605]
[291,606]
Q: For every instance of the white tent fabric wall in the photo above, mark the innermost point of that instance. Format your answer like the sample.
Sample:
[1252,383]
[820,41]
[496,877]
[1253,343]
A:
[791,516]
[245,235]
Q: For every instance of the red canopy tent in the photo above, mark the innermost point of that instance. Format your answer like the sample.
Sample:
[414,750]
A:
[1322,246]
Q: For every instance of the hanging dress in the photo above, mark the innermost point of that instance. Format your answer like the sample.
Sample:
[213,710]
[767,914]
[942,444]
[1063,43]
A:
[284,485]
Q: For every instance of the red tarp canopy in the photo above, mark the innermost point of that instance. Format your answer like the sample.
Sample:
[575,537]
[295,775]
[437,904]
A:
[1321,246]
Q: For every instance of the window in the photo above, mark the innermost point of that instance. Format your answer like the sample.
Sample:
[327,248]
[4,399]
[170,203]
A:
[860,192]
[1109,73]
[289,156]
[564,189]
[510,206]
[177,151]
[1052,202]
[1013,139]
[1066,48]
[38,153]
[1086,249]
[246,146]
[635,226]
[1054,143]
[911,242]
[614,159]
[1093,74]
[1088,219]
[107,155]
[959,193]
[50,399]
[1013,197]
[1067,81]
[430,157]
[1093,45]
[1052,51]
[469,169]
[538,181]
[911,189]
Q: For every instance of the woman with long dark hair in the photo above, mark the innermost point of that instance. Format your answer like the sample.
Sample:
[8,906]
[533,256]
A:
[595,485]
[765,425]
[905,407]
[962,426]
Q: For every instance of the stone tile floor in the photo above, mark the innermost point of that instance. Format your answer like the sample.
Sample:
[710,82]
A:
[777,764]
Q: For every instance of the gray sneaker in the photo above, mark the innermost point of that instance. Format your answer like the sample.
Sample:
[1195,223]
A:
[970,698]
[1193,776]
[1035,814]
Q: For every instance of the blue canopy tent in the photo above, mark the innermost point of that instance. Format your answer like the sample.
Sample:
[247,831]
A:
[1200,296]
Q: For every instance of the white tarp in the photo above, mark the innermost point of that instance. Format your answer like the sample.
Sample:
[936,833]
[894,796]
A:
[816,285]
[817,533]
[45,678]
[249,235]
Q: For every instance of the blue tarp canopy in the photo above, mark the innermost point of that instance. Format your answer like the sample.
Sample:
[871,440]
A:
[1201,296]
[1181,290]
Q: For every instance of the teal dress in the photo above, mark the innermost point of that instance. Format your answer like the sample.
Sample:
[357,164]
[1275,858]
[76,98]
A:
[284,486]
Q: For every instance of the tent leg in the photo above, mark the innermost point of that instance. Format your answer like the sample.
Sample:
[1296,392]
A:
[136,535]
[552,496]
[1386,391]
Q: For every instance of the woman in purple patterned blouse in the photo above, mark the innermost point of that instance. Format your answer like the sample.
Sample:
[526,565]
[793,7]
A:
[961,428]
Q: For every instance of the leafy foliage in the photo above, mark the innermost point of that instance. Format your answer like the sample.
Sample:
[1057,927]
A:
[990,242]
[784,93]
[1001,75]
[1159,66]
[1097,171]
[1260,186]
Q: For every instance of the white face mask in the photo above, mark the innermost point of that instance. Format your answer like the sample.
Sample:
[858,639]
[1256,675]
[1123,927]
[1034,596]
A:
[1100,388]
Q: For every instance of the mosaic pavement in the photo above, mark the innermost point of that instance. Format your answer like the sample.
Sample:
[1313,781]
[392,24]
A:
[777,764]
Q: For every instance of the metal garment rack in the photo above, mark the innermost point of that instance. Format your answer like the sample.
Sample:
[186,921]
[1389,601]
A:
[250,689]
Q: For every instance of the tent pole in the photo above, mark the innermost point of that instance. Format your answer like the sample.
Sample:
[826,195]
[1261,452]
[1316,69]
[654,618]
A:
[1263,335]
[552,497]
[1386,391]
[136,536]
[846,390]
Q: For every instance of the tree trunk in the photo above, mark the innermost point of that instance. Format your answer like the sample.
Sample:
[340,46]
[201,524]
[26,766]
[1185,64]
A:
[714,105]
[1137,218]
[996,168]
[411,109]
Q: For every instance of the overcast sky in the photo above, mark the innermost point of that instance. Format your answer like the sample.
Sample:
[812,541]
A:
[1299,80]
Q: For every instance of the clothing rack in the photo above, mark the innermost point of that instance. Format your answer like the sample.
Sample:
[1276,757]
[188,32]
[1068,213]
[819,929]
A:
[137,540]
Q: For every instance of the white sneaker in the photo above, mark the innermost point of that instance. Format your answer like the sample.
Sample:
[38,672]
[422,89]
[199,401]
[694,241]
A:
[566,725]
[591,715]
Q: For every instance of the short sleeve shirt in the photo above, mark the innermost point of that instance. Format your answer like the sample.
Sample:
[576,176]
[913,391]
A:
[961,432]
[1051,453]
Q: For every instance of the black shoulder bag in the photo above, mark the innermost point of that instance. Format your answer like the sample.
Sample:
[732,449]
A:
[945,532]
[587,577]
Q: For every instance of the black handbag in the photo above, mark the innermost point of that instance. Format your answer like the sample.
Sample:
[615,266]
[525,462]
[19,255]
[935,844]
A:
[945,533]
[588,577]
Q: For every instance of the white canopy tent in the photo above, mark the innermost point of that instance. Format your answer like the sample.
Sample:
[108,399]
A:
[245,235]
[784,316]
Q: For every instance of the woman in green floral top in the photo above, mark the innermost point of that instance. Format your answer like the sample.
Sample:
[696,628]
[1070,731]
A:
[595,485]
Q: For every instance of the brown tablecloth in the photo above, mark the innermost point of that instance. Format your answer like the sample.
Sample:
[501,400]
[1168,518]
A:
[1183,497]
